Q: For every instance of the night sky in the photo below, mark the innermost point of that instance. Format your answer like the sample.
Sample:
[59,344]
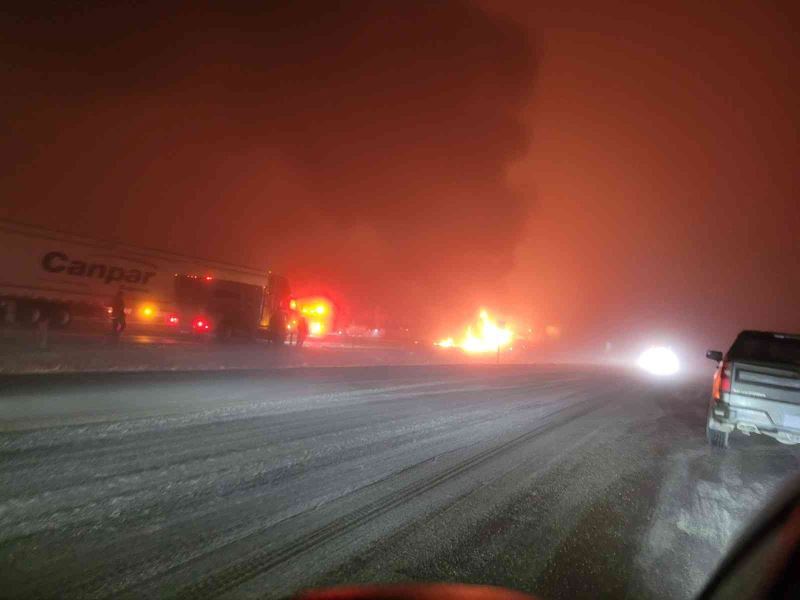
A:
[623,171]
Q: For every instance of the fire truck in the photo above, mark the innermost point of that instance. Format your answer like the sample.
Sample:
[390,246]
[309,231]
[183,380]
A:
[59,276]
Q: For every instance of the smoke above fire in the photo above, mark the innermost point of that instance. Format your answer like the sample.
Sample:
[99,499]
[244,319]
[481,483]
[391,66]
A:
[360,147]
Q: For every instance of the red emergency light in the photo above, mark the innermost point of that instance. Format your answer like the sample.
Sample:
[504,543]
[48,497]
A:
[201,324]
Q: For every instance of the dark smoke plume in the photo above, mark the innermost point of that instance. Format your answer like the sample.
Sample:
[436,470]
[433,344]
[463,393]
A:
[360,146]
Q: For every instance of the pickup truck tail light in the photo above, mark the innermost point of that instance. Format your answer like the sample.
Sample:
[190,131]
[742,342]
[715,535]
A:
[722,379]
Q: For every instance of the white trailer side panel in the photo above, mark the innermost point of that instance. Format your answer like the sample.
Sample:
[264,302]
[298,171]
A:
[54,266]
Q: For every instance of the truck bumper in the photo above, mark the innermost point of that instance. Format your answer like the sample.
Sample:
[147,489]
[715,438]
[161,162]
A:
[727,419]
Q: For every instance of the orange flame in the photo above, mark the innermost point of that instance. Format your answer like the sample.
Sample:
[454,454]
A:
[486,336]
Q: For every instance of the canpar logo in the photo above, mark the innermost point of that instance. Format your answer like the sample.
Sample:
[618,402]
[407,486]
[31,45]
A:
[58,262]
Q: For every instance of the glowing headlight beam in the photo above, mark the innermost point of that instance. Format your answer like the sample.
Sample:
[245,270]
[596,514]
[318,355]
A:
[659,360]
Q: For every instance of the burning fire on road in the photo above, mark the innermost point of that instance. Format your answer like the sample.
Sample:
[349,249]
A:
[487,335]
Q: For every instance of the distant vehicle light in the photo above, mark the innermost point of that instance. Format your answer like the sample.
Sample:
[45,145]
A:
[173,319]
[208,278]
[201,324]
[659,360]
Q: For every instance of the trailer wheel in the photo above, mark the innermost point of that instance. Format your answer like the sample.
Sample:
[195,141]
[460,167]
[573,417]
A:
[28,314]
[60,317]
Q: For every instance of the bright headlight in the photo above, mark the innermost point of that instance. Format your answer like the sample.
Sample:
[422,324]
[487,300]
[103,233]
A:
[659,360]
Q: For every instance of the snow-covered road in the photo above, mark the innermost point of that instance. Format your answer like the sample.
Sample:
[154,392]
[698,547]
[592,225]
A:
[563,481]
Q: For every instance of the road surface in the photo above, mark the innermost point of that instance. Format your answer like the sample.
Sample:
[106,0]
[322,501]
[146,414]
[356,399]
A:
[83,348]
[563,481]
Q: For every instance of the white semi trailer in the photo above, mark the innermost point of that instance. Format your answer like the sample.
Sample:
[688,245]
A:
[54,275]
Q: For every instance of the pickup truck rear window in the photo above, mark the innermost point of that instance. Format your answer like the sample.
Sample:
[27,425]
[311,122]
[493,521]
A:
[766,348]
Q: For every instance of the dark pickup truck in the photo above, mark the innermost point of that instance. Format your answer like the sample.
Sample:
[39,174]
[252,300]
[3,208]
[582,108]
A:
[756,388]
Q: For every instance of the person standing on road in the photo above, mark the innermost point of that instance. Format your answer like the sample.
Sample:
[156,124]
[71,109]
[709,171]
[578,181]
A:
[302,331]
[118,314]
[291,328]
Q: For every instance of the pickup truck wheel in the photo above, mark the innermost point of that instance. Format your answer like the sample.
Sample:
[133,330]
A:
[717,439]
